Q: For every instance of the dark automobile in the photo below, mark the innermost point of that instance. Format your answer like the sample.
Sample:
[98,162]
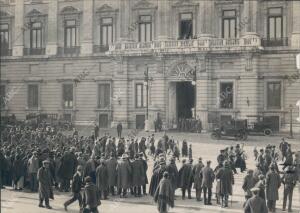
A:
[260,125]
[233,128]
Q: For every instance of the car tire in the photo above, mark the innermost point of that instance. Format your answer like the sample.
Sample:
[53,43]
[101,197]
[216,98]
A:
[267,132]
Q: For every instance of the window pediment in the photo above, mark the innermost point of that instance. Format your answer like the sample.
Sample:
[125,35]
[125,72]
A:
[144,4]
[34,13]
[70,10]
[106,9]
[185,3]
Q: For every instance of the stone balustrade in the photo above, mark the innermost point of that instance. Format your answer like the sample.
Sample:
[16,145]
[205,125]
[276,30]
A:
[185,46]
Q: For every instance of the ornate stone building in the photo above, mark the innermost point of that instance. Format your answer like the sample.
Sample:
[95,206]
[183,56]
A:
[86,60]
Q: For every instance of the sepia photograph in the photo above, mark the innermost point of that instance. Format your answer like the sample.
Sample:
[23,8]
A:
[149,106]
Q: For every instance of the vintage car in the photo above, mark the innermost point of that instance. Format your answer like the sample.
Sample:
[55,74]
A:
[259,125]
[233,128]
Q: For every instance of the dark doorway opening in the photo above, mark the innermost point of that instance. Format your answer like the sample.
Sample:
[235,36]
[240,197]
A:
[103,121]
[185,99]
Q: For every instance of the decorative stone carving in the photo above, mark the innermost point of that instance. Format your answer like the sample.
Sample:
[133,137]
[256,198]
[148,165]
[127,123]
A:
[144,4]
[181,70]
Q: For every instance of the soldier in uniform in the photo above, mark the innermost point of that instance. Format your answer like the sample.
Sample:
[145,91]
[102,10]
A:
[272,185]
[198,179]
[207,182]
[289,180]
[248,184]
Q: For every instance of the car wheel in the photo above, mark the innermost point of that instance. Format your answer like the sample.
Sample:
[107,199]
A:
[267,132]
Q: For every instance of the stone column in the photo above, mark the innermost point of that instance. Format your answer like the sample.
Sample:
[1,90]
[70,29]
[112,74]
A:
[295,41]
[18,42]
[125,17]
[87,27]
[254,13]
[205,20]
[51,48]
[163,19]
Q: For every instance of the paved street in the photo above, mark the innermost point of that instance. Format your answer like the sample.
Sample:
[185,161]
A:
[25,202]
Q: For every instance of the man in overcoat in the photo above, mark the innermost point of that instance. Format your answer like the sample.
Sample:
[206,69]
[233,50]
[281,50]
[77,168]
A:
[123,175]
[112,173]
[225,175]
[102,179]
[91,198]
[255,204]
[45,185]
[273,183]
[198,179]
[173,173]
[207,182]
[138,178]
[289,180]
[185,178]
[248,184]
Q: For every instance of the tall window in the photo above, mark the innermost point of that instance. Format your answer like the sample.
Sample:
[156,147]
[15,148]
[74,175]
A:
[36,35]
[186,26]
[103,96]
[106,31]
[226,95]
[140,95]
[275,24]
[229,24]
[2,96]
[274,95]
[4,36]
[70,33]
[145,28]
[33,96]
[68,96]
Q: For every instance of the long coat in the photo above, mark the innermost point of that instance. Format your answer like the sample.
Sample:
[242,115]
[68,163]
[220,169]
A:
[226,180]
[123,174]
[45,184]
[208,177]
[112,171]
[273,183]
[68,165]
[173,174]
[91,197]
[248,184]
[101,177]
[185,176]
[197,175]
[138,173]
[164,195]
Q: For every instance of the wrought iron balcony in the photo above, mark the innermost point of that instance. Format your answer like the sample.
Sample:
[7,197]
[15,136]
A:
[276,42]
[69,51]
[185,46]
[34,51]
[5,52]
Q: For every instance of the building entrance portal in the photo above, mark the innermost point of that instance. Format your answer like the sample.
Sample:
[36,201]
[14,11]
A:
[185,97]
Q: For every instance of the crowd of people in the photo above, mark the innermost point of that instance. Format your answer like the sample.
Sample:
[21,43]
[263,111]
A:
[95,168]
[189,125]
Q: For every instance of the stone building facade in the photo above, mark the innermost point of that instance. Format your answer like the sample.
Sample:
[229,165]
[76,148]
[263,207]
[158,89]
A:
[87,60]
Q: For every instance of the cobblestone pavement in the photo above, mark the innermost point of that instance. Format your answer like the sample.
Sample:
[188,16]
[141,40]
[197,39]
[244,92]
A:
[25,202]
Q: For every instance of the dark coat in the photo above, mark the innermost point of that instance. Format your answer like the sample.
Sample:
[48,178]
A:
[45,183]
[123,174]
[173,174]
[273,183]
[185,176]
[145,171]
[91,197]
[77,183]
[197,175]
[155,179]
[249,183]
[164,195]
[112,171]
[225,176]
[138,173]
[102,177]
[68,165]
[208,177]
[256,205]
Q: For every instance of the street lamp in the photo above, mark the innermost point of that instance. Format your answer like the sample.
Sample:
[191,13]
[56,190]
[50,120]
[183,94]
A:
[146,83]
[291,136]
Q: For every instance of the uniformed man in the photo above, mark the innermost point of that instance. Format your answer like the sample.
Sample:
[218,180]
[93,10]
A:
[289,180]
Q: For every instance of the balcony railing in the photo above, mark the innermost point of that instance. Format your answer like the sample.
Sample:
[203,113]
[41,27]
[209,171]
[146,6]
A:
[5,52]
[185,46]
[277,42]
[69,51]
[100,48]
[34,51]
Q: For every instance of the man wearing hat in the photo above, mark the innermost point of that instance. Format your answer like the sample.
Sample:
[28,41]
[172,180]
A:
[208,177]
[45,184]
[124,172]
[112,173]
[76,188]
[255,204]
[102,179]
[173,173]
[248,184]
[198,178]
[32,168]
[91,198]
[138,178]
[289,180]
[273,183]
[283,146]
[185,178]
